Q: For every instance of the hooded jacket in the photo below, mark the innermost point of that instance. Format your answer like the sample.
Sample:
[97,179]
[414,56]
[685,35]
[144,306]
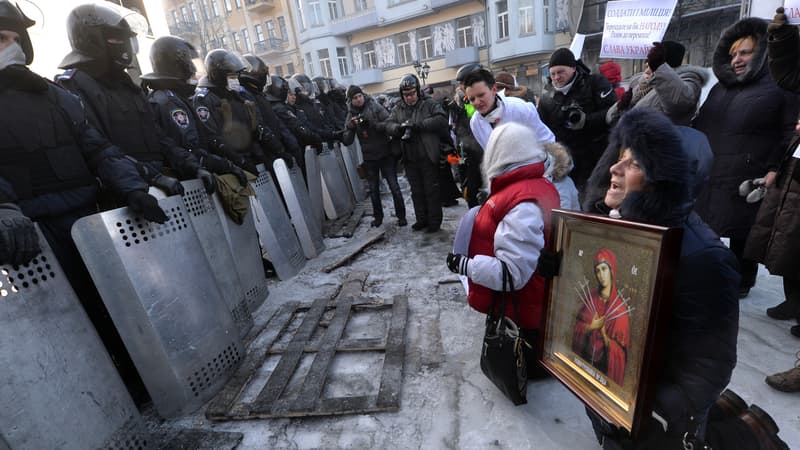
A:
[700,350]
[775,237]
[513,110]
[557,169]
[749,122]
[372,137]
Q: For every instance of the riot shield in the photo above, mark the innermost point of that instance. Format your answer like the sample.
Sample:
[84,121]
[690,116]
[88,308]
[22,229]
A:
[243,242]
[58,386]
[155,282]
[314,181]
[336,195]
[299,204]
[274,228]
[350,166]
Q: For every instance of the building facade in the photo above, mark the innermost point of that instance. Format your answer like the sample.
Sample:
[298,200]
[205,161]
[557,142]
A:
[261,27]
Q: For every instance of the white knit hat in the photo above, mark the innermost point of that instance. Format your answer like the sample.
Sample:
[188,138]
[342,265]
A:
[511,145]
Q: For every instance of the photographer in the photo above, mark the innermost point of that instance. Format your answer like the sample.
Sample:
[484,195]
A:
[574,106]
[420,122]
[366,118]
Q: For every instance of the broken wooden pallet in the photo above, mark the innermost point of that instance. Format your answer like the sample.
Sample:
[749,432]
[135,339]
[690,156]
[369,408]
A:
[273,401]
[346,226]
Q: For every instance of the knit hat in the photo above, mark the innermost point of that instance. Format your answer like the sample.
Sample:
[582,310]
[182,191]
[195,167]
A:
[674,53]
[505,78]
[352,91]
[510,144]
[562,57]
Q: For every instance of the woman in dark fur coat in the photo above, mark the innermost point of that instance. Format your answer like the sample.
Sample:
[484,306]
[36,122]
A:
[650,173]
[749,122]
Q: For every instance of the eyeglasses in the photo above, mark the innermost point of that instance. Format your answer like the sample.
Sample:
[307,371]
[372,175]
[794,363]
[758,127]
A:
[409,94]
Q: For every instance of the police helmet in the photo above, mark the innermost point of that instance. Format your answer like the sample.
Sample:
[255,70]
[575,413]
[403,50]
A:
[323,86]
[13,19]
[172,59]
[220,63]
[294,86]
[409,81]
[98,33]
[278,88]
[307,88]
[257,73]
[466,70]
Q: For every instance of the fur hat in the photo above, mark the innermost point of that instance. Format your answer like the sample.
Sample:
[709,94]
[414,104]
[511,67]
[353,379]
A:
[559,161]
[562,57]
[674,53]
[505,78]
[352,91]
[510,145]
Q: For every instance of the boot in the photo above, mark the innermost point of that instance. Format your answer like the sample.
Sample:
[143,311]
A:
[785,311]
[788,381]
[729,404]
[376,222]
[763,428]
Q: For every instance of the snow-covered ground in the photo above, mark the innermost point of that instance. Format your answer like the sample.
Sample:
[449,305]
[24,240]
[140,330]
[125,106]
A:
[446,402]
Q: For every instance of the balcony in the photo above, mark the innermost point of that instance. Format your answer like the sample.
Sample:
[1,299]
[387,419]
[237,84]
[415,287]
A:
[357,21]
[259,6]
[183,29]
[270,46]
[367,76]
[460,56]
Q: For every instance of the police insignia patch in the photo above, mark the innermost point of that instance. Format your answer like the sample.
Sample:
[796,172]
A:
[203,113]
[180,117]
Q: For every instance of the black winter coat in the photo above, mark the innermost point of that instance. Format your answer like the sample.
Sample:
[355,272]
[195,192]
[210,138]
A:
[749,122]
[430,122]
[300,129]
[372,137]
[594,94]
[775,237]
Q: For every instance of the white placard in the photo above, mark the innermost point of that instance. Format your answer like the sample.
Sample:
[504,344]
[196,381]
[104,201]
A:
[577,45]
[631,27]
[792,11]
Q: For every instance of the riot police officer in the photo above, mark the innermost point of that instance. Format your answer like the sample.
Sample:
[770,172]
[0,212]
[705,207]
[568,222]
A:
[335,113]
[172,84]
[226,115]
[305,92]
[103,46]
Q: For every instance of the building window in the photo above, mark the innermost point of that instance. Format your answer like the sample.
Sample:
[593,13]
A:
[204,8]
[361,5]
[325,63]
[464,32]
[341,57]
[246,39]
[549,20]
[238,4]
[333,9]
[526,17]
[237,41]
[301,15]
[214,8]
[502,20]
[403,49]
[185,14]
[290,69]
[175,17]
[424,43]
[601,12]
[315,13]
[278,71]
[259,33]
[223,42]
[270,30]
[309,66]
[370,62]
[228,7]
[282,28]
[193,10]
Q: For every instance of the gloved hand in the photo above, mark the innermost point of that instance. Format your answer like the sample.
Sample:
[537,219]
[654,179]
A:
[778,20]
[457,263]
[167,184]
[625,102]
[656,56]
[220,166]
[209,182]
[146,205]
[240,175]
[19,242]
[287,158]
[338,135]
[549,264]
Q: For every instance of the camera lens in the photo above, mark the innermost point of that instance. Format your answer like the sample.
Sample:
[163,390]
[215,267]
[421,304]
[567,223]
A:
[406,135]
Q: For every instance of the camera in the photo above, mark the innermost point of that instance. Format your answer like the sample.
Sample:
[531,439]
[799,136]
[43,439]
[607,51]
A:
[406,131]
[574,115]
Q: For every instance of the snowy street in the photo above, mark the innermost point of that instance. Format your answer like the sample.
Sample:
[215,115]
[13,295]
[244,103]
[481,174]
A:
[446,402]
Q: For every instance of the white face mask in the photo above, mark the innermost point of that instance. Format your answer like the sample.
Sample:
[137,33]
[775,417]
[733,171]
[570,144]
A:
[233,83]
[12,55]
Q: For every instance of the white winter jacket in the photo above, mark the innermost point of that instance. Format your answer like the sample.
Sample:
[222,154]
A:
[512,109]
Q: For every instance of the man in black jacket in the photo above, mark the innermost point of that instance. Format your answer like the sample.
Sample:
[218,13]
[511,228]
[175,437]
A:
[420,123]
[367,119]
[277,95]
[574,106]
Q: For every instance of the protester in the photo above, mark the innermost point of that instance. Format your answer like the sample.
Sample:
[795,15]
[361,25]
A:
[613,73]
[367,119]
[666,85]
[557,169]
[512,227]
[653,175]
[507,87]
[492,110]
[749,122]
[419,122]
[574,106]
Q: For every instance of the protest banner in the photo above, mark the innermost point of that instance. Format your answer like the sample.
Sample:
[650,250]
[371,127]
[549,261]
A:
[792,11]
[631,27]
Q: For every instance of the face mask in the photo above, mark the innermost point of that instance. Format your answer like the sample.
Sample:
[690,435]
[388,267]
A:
[233,83]
[12,55]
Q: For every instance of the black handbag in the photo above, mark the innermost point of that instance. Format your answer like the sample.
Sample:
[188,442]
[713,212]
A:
[503,356]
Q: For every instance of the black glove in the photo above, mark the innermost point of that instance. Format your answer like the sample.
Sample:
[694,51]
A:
[19,242]
[338,135]
[209,182]
[221,166]
[265,135]
[146,205]
[287,158]
[656,56]
[457,263]
[549,264]
[167,184]
[778,20]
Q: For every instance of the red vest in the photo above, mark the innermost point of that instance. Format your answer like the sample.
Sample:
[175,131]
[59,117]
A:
[524,184]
